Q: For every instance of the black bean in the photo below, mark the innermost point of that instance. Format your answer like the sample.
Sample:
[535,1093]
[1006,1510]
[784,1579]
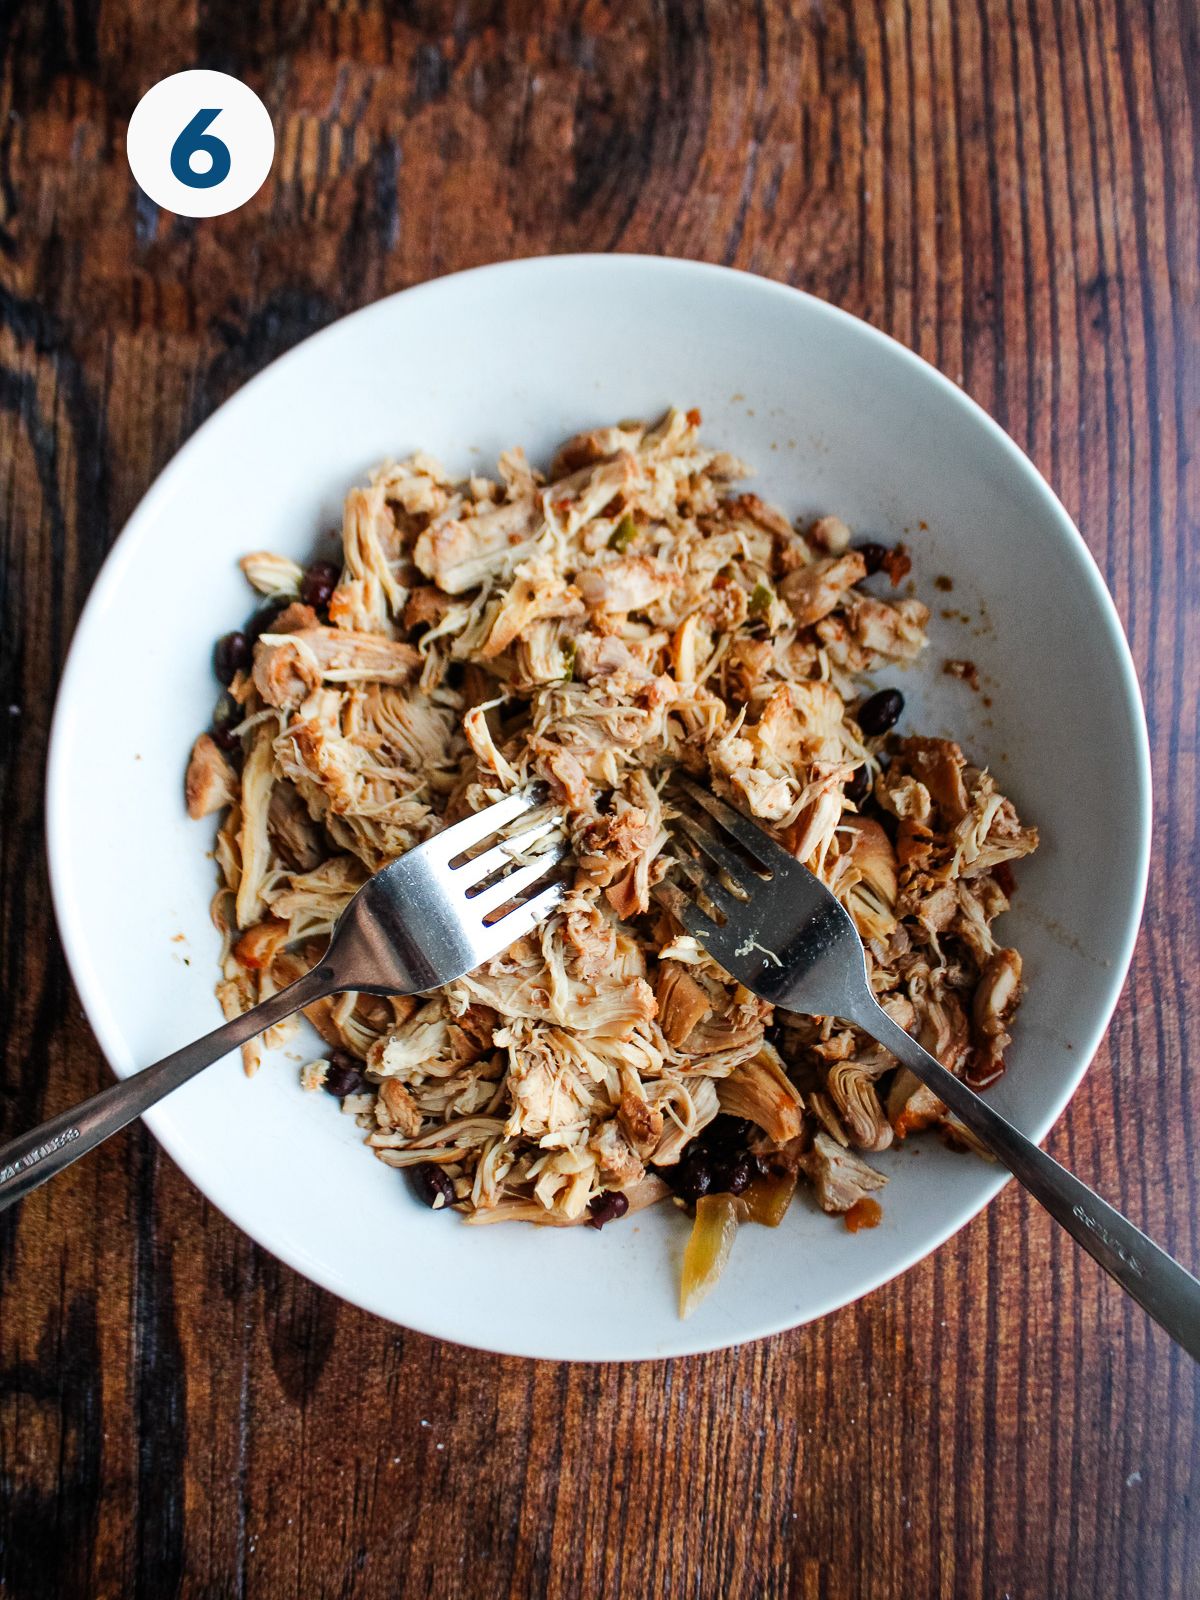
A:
[727,1133]
[262,619]
[859,786]
[231,654]
[874,554]
[318,584]
[226,713]
[693,1176]
[344,1075]
[880,712]
[432,1185]
[735,1175]
[225,718]
[606,1207]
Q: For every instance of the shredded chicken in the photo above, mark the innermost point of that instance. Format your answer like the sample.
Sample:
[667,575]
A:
[212,782]
[632,616]
[841,1178]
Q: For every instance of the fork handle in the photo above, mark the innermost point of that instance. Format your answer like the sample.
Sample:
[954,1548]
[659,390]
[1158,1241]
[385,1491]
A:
[31,1158]
[1160,1285]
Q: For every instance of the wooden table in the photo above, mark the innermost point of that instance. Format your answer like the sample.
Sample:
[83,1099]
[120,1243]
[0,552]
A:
[1010,188]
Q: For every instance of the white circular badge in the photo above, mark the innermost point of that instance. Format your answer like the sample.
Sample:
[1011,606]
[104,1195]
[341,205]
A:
[200,143]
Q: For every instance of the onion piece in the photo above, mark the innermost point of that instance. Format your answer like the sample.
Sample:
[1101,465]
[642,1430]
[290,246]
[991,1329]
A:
[707,1249]
[767,1199]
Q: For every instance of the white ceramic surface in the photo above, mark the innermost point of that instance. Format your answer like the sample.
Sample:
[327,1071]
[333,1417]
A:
[835,417]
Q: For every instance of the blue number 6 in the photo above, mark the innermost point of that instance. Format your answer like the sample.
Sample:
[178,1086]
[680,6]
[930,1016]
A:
[194,138]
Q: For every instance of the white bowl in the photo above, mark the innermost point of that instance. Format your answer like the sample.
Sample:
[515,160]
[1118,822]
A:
[835,417]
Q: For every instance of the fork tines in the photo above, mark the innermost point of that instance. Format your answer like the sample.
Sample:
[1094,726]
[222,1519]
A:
[756,841]
[723,856]
[493,881]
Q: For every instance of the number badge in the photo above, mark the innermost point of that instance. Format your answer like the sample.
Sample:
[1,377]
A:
[200,143]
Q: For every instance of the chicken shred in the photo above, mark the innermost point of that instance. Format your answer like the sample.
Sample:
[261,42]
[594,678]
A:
[631,616]
[211,783]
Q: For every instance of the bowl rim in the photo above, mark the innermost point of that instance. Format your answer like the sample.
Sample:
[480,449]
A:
[140,525]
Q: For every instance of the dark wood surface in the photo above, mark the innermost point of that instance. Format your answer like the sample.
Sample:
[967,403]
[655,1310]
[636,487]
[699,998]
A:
[1010,187]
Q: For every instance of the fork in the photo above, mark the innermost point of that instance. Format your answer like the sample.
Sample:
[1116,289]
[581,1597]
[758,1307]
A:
[423,921]
[811,960]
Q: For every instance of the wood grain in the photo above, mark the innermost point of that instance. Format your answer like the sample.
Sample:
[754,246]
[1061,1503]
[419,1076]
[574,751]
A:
[1010,187]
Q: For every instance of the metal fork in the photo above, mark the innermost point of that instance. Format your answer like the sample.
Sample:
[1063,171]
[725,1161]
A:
[417,924]
[778,930]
